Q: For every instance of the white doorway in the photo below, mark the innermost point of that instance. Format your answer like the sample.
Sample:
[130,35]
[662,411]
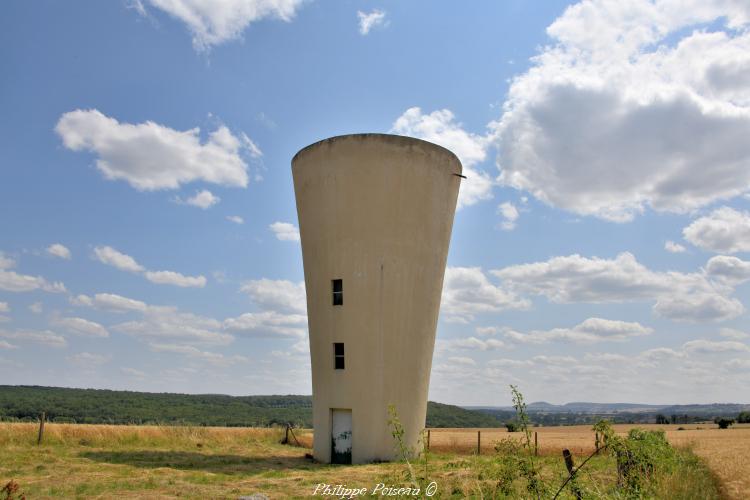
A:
[341,436]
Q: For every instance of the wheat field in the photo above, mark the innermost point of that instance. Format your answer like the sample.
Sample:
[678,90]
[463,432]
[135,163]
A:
[104,461]
[725,451]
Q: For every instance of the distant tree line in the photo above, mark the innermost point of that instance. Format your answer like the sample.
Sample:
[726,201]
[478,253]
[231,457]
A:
[94,406]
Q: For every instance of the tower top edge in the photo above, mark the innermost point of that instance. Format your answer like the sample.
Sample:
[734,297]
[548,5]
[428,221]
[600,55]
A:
[393,138]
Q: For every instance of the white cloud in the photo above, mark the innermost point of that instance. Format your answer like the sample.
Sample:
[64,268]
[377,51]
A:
[83,327]
[509,213]
[440,128]
[728,270]
[680,296]
[213,22]
[7,345]
[111,257]
[42,337]
[6,262]
[731,333]
[150,156]
[725,230]
[176,279]
[672,247]
[590,331]
[204,199]
[169,323]
[214,358]
[279,295]
[285,231]
[158,323]
[370,20]
[36,308]
[4,307]
[710,346]
[633,105]
[467,292]
[87,359]
[59,250]
[11,281]
[269,324]
[473,344]
[236,219]
[462,360]
[109,302]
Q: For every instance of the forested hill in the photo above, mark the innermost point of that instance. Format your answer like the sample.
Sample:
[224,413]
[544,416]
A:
[95,406]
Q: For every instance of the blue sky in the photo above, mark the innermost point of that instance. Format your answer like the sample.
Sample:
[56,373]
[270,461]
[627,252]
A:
[601,247]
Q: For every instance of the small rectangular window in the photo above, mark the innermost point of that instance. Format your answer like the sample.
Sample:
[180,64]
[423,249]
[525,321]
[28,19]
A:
[338,355]
[338,292]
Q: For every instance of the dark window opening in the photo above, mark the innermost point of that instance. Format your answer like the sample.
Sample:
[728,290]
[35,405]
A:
[338,355]
[338,292]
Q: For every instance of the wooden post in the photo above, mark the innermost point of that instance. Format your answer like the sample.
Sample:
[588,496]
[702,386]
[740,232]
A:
[479,442]
[41,428]
[572,471]
[428,439]
[536,444]
[596,442]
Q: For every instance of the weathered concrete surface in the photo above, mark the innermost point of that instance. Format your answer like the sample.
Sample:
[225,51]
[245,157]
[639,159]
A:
[376,211]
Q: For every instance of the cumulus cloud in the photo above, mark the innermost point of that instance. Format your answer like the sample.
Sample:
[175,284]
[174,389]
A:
[36,308]
[176,279]
[158,323]
[112,257]
[279,295]
[467,291]
[268,324]
[204,199]
[213,22]
[7,345]
[672,247]
[4,307]
[11,281]
[441,128]
[632,106]
[590,331]
[59,250]
[285,231]
[236,219]
[370,20]
[149,156]
[509,212]
[41,337]
[81,326]
[725,230]
[471,344]
[710,346]
[682,296]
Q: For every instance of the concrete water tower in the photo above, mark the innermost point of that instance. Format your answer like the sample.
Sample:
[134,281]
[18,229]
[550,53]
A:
[375,217]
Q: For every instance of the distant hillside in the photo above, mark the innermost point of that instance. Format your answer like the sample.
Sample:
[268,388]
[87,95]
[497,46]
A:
[542,413]
[96,406]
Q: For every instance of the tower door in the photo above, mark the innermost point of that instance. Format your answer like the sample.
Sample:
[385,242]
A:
[341,436]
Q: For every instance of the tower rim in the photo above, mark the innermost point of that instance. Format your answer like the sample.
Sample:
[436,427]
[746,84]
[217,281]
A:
[387,137]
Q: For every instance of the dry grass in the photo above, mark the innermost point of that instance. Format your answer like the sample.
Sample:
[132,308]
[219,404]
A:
[101,461]
[726,452]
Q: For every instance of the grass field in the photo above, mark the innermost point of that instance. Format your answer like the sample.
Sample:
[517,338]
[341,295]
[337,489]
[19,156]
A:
[98,461]
[725,451]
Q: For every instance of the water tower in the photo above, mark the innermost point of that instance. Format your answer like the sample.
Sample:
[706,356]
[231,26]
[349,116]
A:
[375,217]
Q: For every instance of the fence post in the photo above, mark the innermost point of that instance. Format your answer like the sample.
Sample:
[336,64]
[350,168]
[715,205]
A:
[596,442]
[572,471]
[479,442]
[41,428]
[428,439]
[536,444]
